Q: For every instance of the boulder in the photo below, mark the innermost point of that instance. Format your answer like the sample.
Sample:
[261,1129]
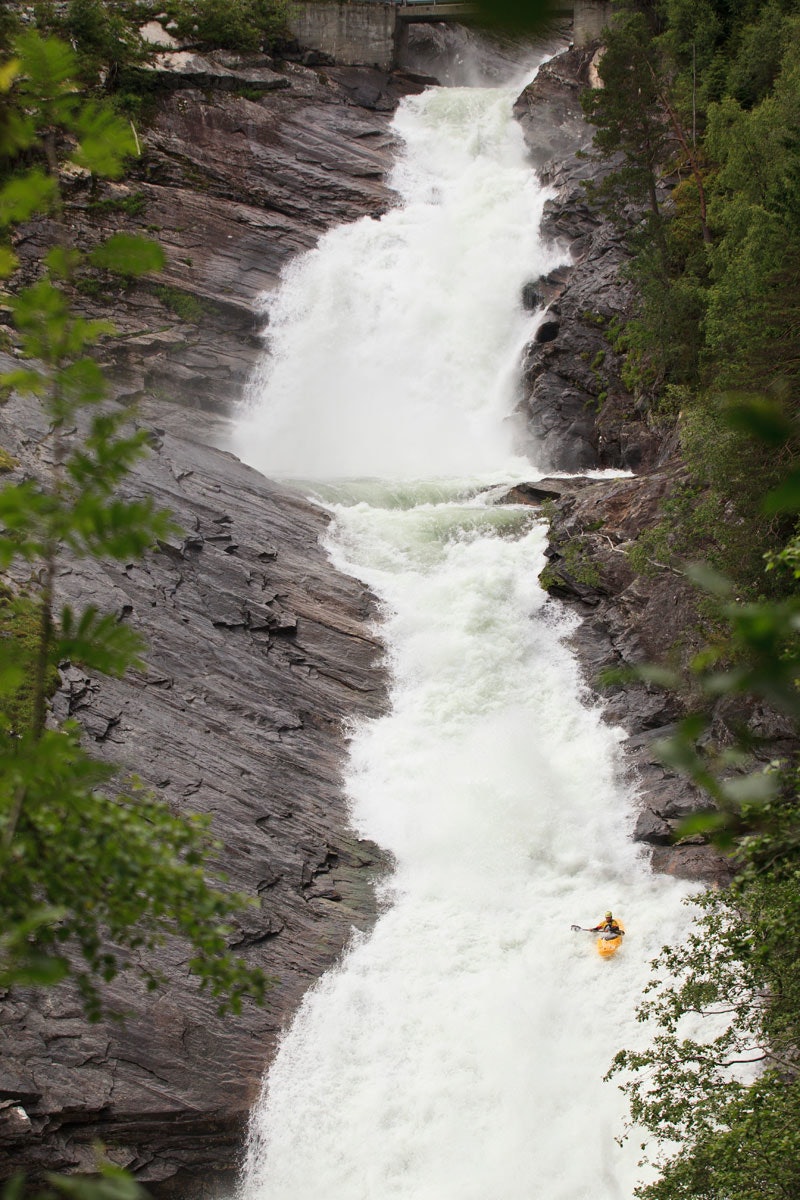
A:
[652,828]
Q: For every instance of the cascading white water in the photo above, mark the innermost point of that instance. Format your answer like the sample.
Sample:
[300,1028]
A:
[457,1053]
[393,344]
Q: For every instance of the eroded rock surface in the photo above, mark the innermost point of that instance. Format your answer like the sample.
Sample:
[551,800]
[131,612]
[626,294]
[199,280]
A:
[577,409]
[241,169]
[258,649]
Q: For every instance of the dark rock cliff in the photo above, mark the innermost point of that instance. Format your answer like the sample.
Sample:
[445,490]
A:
[578,411]
[580,415]
[259,651]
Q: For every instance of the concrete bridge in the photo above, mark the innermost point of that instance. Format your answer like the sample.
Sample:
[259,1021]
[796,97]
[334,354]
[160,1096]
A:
[419,12]
[371,32]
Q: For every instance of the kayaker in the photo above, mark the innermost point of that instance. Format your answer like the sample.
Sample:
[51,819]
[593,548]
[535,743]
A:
[608,925]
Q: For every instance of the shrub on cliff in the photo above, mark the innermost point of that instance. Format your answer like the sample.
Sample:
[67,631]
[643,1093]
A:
[707,95]
[243,25]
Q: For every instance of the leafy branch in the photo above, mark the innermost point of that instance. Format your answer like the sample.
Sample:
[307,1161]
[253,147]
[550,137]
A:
[92,879]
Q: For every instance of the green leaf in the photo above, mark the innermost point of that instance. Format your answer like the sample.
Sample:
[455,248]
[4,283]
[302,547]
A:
[8,73]
[761,417]
[710,580]
[17,132]
[16,1188]
[114,1184]
[11,678]
[722,683]
[23,196]
[701,823]
[657,675]
[37,970]
[49,67]
[28,382]
[25,965]
[98,641]
[8,262]
[61,261]
[82,382]
[127,254]
[786,496]
[754,788]
[105,141]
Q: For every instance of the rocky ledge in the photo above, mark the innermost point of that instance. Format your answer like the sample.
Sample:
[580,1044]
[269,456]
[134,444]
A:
[245,163]
[628,619]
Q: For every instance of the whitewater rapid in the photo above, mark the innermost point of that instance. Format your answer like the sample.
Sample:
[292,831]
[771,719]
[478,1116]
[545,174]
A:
[458,1051]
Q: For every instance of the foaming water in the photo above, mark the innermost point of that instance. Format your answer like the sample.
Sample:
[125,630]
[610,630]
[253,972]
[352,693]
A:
[394,344]
[458,1051]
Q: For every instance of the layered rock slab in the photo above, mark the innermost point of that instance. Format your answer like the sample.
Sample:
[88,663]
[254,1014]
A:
[233,182]
[258,650]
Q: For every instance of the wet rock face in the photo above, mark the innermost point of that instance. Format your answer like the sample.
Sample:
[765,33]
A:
[258,650]
[242,168]
[577,411]
[579,415]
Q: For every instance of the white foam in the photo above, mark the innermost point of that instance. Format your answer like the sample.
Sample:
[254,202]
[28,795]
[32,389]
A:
[458,1052]
[394,344]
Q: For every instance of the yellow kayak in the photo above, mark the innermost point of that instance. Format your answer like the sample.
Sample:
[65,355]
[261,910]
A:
[608,945]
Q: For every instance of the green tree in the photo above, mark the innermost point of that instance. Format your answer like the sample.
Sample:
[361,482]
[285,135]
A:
[753,299]
[630,118]
[243,25]
[727,999]
[107,40]
[92,873]
[724,1008]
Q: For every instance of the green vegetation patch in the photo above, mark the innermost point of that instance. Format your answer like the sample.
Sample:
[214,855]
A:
[20,637]
[576,561]
[131,205]
[182,304]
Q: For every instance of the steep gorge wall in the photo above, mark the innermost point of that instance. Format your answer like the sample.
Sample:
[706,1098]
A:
[259,651]
[258,648]
[580,415]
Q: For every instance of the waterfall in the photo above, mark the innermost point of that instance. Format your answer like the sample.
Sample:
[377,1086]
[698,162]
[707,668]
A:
[458,1050]
[393,344]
